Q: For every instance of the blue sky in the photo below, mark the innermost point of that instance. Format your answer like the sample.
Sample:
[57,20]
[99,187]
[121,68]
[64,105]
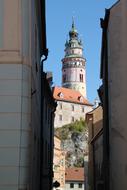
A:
[87,14]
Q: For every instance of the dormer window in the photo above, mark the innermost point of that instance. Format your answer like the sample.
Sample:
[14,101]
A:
[61,95]
[80,98]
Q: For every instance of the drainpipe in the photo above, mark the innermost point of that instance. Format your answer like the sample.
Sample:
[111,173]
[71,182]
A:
[44,53]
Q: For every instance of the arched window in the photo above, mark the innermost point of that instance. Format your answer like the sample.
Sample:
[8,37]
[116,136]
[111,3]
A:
[64,78]
[81,77]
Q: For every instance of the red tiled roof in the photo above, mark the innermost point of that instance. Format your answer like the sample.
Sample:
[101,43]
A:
[74,174]
[69,95]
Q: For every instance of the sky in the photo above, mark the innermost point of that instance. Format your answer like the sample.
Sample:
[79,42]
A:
[87,14]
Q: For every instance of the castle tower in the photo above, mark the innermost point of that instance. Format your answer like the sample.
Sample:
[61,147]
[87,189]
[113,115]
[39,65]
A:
[73,63]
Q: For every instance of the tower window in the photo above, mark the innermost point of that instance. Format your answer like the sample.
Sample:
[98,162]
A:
[64,78]
[81,77]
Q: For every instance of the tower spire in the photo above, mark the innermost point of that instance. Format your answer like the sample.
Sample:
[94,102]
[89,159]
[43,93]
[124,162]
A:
[73,23]
[73,32]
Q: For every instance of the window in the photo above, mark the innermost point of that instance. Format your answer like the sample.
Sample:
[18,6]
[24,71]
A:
[60,117]
[72,119]
[64,78]
[81,77]
[60,95]
[80,185]
[83,109]
[72,107]
[71,185]
[60,105]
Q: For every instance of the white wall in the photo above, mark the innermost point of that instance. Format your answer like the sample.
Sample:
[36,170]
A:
[67,113]
[76,186]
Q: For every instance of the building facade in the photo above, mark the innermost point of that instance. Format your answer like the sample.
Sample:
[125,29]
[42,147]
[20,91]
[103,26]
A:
[73,64]
[59,163]
[22,44]
[94,120]
[74,179]
[71,106]
[113,94]
[47,134]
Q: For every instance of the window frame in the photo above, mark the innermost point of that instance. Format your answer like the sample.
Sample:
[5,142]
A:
[79,185]
[71,185]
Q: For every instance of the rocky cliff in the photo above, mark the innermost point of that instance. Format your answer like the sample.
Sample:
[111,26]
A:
[74,141]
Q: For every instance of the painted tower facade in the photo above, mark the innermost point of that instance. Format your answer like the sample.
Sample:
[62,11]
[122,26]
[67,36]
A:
[73,63]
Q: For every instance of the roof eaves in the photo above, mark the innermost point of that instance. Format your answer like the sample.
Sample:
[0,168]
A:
[114,4]
[81,103]
[74,180]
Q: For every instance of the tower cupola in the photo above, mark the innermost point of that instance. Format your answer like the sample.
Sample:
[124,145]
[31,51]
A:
[73,32]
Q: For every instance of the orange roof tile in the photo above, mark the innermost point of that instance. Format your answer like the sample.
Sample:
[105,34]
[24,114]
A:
[69,95]
[74,174]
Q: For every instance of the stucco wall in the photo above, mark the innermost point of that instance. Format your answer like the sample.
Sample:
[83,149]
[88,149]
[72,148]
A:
[94,121]
[59,163]
[67,113]
[76,186]
[117,58]
[14,124]
[15,94]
